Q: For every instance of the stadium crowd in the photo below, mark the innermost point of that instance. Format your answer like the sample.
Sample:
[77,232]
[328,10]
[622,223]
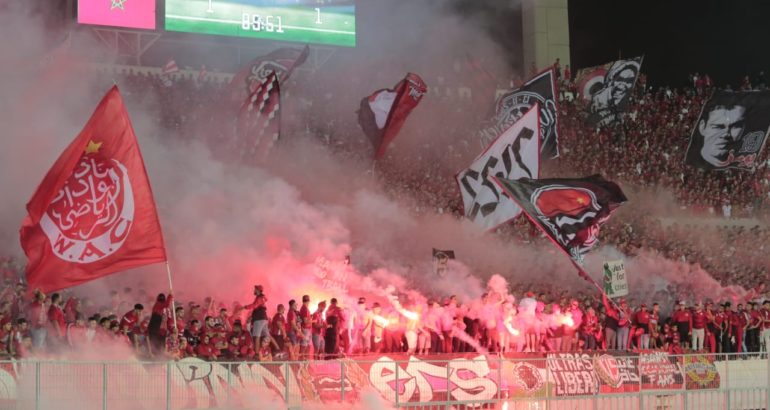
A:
[645,151]
[49,326]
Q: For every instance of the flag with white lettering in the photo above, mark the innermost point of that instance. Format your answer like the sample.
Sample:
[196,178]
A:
[382,114]
[514,154]
[93,214]
[540,90]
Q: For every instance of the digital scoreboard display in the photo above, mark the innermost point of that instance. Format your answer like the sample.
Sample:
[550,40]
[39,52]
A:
[331,22]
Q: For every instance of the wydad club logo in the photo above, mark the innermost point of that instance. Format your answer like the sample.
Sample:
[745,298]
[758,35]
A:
[91,216]
[565,211]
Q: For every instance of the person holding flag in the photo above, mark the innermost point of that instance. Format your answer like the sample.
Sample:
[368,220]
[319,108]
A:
[93,214]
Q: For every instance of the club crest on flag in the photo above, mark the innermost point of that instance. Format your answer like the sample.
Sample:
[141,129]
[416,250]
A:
[90,217]
[564,208]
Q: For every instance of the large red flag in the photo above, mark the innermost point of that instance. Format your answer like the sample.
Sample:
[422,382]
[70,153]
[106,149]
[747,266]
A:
[94,213]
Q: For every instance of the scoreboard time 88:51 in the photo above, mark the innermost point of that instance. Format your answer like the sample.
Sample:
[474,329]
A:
[330,22]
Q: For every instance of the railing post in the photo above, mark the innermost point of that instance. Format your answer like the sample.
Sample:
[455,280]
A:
[726,386]
[168,385]
[230,368]
[37,385]
[547,384]
[500,379]
[286,366]
[396,375]
[767,384]
[448,397]
[104,386]
[342,381]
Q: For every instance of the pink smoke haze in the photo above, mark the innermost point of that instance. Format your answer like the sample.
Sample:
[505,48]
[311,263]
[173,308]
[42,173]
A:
[117,13]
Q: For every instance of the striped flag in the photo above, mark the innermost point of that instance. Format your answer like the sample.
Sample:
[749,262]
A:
[170,67]
[259,121]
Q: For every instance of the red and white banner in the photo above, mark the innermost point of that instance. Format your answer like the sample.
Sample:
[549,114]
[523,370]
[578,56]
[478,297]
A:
[93,214]
[259,121]
[383,113]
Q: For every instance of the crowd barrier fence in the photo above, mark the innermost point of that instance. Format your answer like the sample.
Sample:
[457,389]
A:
[585,380]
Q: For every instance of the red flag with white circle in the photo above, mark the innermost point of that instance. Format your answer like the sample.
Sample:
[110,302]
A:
[93,214]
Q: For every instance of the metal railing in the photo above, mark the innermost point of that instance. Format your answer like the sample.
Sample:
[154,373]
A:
[590,380]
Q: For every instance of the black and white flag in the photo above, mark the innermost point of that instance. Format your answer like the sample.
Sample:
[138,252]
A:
[607,88]
[514,154]
[731,131]
[511,106]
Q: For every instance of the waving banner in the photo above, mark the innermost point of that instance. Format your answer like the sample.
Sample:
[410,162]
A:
[541,91]
[383,113]
[93,214]
[569,211]
[731,131]
[282,62]
[607,88]
[515,154]
[259,121]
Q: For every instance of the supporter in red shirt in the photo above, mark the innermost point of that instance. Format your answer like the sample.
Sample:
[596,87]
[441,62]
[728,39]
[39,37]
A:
[642,320]
[71,310]
[655,341]
[57,324]
[131,319]
[738,322]
[681,318]
[675,346]
[180,321]
[752,331]
[279,327]
[244,338]
[698,320]
[319,330]
[76,333]
[306,323]
[205,350]
[765,326]
[721,337]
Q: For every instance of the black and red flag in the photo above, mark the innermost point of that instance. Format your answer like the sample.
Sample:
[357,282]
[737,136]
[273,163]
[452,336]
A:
[383,113]
[259,121]
[569,211]
[282,62]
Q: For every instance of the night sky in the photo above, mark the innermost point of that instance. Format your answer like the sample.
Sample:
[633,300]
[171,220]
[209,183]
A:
[725,38]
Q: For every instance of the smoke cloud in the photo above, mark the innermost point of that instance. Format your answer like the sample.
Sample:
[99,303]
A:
[290,223]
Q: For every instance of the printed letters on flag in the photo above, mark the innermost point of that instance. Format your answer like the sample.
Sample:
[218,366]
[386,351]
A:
[514,154]
[512,106]
[569,211]
[93,214]
[615,282]
[607,88]
[259,121]
[731,131]
[383,113]
[282,61]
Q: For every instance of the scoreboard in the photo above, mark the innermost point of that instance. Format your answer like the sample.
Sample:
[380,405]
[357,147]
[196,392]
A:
[331,22]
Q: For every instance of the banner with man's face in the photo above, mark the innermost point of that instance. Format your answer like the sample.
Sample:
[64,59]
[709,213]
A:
[731,131]
[607,88]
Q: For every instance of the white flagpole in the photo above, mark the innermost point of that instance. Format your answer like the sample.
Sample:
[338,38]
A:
[171,290]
